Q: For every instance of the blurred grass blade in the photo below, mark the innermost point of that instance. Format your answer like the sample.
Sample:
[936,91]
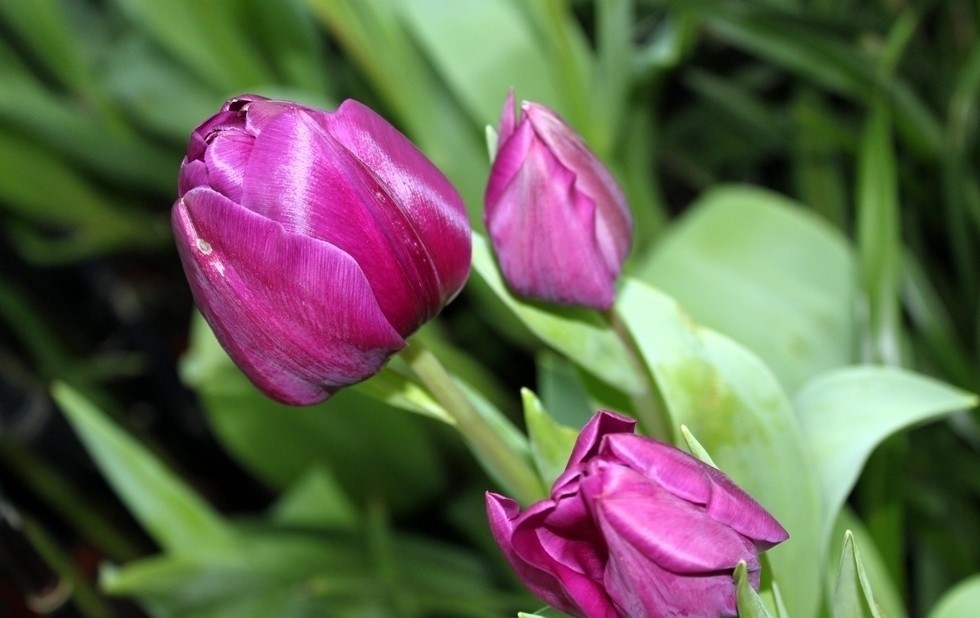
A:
[372,34]
[206,36]
[879,240]
[43,25]
[818,158]
[793,43]
[176,517]
[469,40]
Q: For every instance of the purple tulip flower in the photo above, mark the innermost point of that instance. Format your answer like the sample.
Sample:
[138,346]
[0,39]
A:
[557,219]
[634,528]
[314,242]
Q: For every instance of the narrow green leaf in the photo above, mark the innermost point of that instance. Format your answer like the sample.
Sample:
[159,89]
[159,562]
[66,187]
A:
[316,500]
[695,447]
[887,595]
[747,600]
[580,334]
[852,595]
[960,601]
[177,518]
[732,402]
[844,414]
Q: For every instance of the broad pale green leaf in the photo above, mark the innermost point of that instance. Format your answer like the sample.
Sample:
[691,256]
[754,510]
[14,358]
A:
[580,334]
[551,442]
[176,517]
[372,449]
[853,597]
[960,601]
[844,414]
[742,262]
[468,41]
[736,408]
[747,600]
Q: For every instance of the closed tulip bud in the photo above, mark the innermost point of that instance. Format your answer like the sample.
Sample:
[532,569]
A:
[314,242]
[557,219]
[634,528]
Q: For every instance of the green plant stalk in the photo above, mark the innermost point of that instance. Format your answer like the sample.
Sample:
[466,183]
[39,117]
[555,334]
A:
[502,462]
[83,595]
[79,512]
[648,405]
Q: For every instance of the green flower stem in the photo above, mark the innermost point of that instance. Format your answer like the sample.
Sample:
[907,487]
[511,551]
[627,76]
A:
[649,405]
[509,467]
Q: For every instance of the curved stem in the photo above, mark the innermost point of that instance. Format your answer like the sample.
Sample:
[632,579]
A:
[649,405]
[506,464]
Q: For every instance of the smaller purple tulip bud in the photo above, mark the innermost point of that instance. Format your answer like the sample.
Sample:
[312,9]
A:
[314,242]
[634,528]
[557,219]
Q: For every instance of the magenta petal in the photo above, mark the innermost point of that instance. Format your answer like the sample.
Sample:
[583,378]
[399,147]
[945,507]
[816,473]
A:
[226,159]
[731,506]
[642,588]
[678,536]
[601,424]
[613,222]
[299,176]
[302,323]
[545,235]
[504,515]
[192,174]
[673,469]
[431,204]
[690,479]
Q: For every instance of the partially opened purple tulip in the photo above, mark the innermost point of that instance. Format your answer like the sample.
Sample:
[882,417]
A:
[557,219]
[315,242]
[634,528]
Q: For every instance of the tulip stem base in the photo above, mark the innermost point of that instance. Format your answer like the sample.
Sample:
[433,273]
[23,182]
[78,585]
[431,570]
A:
[649,405]
[503,462]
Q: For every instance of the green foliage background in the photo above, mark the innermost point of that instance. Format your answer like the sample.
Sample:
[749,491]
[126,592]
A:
[804,180]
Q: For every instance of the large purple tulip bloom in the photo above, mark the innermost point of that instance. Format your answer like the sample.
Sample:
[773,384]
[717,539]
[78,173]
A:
[557,219]
[315,242]
[634,528]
